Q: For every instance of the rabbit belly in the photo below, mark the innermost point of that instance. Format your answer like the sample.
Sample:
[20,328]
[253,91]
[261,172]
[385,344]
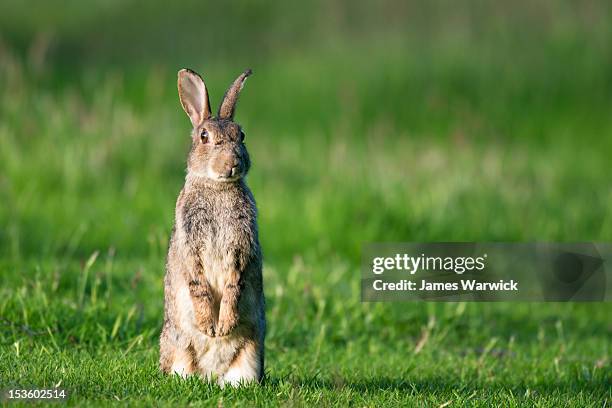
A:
[232,359]
[215,355]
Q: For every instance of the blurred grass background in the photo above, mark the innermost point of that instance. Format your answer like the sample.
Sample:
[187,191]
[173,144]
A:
[366,121]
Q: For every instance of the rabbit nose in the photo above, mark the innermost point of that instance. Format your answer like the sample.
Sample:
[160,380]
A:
[235,167]
[227,171]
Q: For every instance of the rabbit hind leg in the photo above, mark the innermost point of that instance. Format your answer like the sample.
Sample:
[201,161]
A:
[175,359]
[247,366]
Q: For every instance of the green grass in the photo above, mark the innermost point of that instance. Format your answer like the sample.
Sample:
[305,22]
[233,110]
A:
[454,128]
[323,347]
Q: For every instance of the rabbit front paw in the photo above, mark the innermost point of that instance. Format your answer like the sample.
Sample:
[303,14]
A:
[228,320]
[202,302]
[207,326]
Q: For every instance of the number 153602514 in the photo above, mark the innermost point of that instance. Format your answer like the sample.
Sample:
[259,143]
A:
[34,394]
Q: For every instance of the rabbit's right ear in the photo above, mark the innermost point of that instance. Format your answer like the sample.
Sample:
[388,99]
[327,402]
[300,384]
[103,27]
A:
[193,96]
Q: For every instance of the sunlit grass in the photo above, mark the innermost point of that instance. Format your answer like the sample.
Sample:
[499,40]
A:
[457,142]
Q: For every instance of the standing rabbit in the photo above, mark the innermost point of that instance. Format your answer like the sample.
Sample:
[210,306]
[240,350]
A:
[214,322]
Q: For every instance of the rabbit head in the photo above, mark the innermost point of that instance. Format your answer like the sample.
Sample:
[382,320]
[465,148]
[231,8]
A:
[217,152]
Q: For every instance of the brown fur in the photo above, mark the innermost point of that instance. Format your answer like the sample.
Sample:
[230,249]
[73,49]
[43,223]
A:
[214,322]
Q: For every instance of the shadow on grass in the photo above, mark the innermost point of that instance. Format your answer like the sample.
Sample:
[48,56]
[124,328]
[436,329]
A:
[445,385]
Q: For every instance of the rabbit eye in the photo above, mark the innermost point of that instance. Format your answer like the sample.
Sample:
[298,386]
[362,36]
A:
[241,136]
[204,136]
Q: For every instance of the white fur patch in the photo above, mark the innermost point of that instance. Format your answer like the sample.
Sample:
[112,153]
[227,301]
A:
[236,376]
[180,368]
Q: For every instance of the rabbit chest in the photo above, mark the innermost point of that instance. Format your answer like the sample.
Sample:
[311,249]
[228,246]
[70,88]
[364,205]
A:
[220,229]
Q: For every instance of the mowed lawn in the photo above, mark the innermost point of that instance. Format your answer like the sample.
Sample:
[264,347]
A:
[350,144]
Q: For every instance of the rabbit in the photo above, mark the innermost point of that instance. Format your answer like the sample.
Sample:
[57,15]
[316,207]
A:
[214,317]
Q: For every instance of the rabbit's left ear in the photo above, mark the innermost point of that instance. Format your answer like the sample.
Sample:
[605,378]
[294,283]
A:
[228,105]
[193,96]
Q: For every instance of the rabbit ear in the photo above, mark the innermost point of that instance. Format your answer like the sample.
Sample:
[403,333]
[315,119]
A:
[226,110]
[193,96]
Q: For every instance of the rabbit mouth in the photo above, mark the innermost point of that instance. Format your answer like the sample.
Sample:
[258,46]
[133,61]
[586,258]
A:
[231,175]
[223,179]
